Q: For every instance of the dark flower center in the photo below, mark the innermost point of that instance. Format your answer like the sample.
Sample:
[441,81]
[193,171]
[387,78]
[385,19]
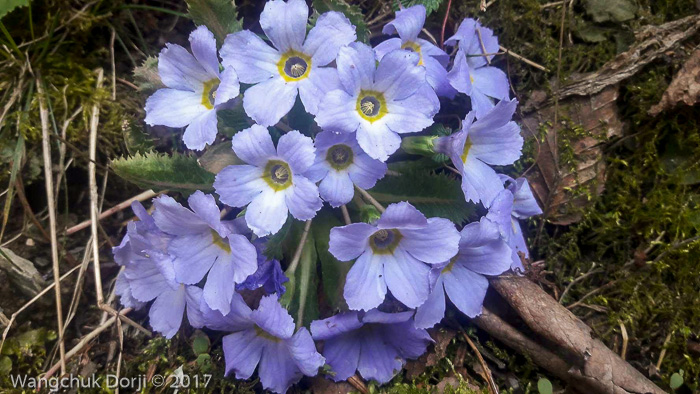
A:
[277,174]
[385,241]
[339,156]
[295,67]
[370,106]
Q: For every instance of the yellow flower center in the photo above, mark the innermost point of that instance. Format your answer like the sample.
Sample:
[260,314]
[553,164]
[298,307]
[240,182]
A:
[465,151]
[263,334]
[414,47]
[209,93]
[220,242]
[339,156]
[371,105]
[385,241]
[277,175]
[294,65]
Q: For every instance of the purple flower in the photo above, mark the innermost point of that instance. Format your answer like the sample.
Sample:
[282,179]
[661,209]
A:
[481,252]
[378,101]
[265,337]
[511,204]
[471,73]
[269,274]
[293,66]
[272,182]
[375,343]
[148,275]
[340,164]
[394,253]
[195,89]
[491,140]
[408,24]
[202,244]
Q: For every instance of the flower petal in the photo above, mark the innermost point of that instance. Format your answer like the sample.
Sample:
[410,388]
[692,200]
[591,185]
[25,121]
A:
[237,319]
[349,242]
[174,108]
[244,257]
[229,87]
[384,47]
[377,140]
[254,145]
[365,287]
[193,256]
[408,23]
[321,80]
[204,206]
[378,360]
[242,351]
[500,146]
[273,318]
[332,31]
[482,250]
[219,288]
[297,150]
[335,325]
[436,243]
[302,199]
[524,205]
[398,75]
[253,60]
[193,300]
[123,290]
[459,76]
[495,118]
[411,342]
[433,309]
[203,45]
[267,213]
[277,369]
[303,350]
[366,171]
[166,312]
[337,188]
[481,103]
[479,181]
[201,131]
[414,113]
[491,81]
[343,354]
[336,112]
[402,215]
[238,185]
[267,102]
[173,218]
[356,65]
[178,69]
[146,281]
[406,277]
[284,23]
[466,290]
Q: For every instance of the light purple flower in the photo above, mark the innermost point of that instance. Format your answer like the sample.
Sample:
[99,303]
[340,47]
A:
[481,252]
[514,203]
[295,64]
[375,343]
[272,182]
[340,164]
[202,243]
[408,24]
[471,73]
[148,275]
[265,338]
[196,89]
[491,140]
[394,253]
[378,102]
[268,276]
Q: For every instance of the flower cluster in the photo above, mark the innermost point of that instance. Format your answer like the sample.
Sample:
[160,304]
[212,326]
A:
[363,100]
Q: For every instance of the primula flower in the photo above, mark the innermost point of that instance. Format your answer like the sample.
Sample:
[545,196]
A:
[202,243]
[408,24]
[148,275]
[272,182]
[375,343]
[471,73]
[481,252]
[393,253]
[491,140]
[268,276]
[378,101]
[196,89]
[340,164]
[295,64]
[265,337]
[511,204]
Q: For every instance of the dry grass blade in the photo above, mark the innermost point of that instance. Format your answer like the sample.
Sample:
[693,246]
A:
[48,175]
[119,207]
[493,388]
[94,214]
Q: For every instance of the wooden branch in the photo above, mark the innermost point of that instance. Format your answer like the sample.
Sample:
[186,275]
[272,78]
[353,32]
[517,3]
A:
[561,344]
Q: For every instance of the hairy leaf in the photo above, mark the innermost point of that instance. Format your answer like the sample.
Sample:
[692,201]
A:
[610,10]
[432,193]
[8,5]
[301,297]
[430,5]
[146,75]
[333,271]
[159,171]
[218,157]
[233,120]
[220,16]
[135,139]
[352,12]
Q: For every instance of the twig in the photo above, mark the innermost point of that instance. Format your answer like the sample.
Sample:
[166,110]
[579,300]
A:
[555,146]
[297,253]
[119,207]
[625,340]
[523,59]
[371,199]
[346,214]
[94,122]
[493,389]
[357,383]
[444,24]
[552,4]
[48,175]
[663,351]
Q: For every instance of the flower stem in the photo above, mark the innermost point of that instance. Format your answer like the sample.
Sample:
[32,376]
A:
[371,199]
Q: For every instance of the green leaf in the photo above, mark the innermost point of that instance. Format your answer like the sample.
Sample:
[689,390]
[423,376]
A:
[220,16]
[352,12]
[233,120]
[218,157]
[436,195]
[590,33]
[159,171]
[333,271]
[135,139]
[301,298]
[430,5]
[610,10]
[200,343]
[8,5]
[146,75]
[274,247]
[544,386]
[676,380]
[5,366]
[299,119]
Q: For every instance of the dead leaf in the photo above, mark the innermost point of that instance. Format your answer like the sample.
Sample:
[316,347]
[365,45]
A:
[564,191]
[321,385]
[684,88]
[21,272]
[442,338]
